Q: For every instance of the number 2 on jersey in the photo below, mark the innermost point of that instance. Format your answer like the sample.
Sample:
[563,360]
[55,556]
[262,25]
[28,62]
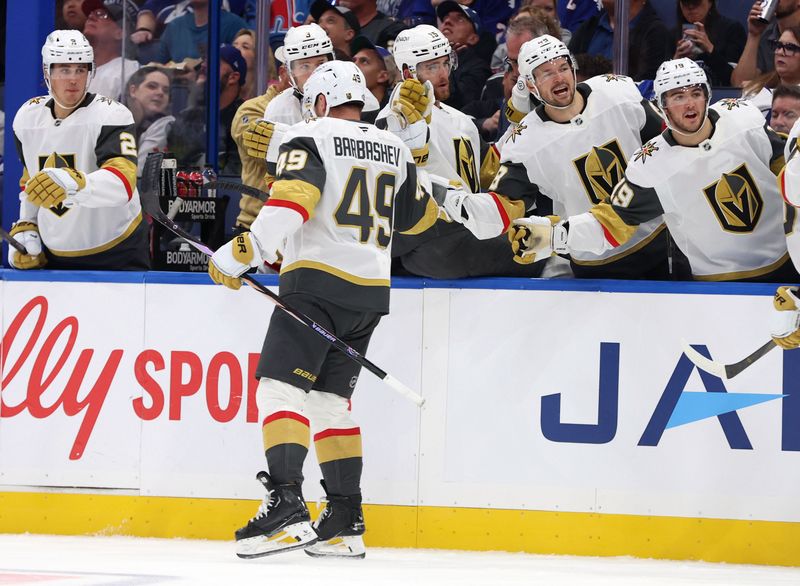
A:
[356,208]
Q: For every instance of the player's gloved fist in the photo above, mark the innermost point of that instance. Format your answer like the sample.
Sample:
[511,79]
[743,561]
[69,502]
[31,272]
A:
[50,187]
[233,259]
[519,104]
[27,234]
[257,137]
[786,318]
[535,238]
[414,100]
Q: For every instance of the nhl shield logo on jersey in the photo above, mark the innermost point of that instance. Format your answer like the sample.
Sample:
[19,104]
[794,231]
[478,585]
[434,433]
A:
[600,170]
[736,200]
[57,161]
[465,162]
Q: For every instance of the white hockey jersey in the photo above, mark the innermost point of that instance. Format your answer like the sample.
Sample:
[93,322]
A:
[789,182]
[97,138]
[342,188]
[720,200]
[578,163]
[284,108]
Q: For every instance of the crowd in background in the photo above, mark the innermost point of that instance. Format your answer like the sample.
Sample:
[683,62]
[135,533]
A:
[151,55]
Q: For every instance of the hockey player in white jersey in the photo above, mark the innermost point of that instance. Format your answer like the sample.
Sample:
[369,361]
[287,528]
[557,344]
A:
[458,154]
[712,174]
[79,208]
[342,189]
[574,148]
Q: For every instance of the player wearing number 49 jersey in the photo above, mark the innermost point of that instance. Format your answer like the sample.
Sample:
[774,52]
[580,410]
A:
[342,188]
[712,174]
[79,180]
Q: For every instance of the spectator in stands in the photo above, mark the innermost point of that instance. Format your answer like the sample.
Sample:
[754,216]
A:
[786,58]
[757,56]
[103,28]
[704,35]
[650,42]
[572,13]
[147,97]
[549,8]
[411,12]
[462,27]
[591,66]
[494,14]
[537,21]
[186,36]
[487,113]
[380,74]
[785,108]
[376,26]
[187,136]
[72,15]
[245,41]
[339,22]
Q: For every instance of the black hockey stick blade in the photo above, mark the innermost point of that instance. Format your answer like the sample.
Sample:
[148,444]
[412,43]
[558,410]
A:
[724,371]
[149,198]
[236,187]
[13,241]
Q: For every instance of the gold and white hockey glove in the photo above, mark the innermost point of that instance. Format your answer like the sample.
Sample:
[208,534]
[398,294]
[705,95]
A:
[233,259]
[786,318]
[27,234]
[50,187]
[519,104]
[536,238]
[413,100]
[259,135]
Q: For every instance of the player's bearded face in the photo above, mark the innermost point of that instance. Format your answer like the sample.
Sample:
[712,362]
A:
[437,71]
[555,81]
[686,108]
[68,82]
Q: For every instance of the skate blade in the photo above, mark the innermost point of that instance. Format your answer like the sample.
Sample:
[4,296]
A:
[351,547]
[290,538]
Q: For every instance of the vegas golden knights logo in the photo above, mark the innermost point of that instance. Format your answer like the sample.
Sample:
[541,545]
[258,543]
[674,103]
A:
[600,170]
[465,163]
[57,161]
[736,200]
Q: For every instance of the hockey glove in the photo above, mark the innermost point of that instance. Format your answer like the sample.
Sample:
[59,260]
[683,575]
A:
[536,238]
[786,319]
[50,187]
[233,259]
[27,234]
[413,100]
[258,136]
[519,104]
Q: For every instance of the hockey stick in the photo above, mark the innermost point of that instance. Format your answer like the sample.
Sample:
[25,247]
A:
[18,246]
[724,371]
[149,196]
[237,187]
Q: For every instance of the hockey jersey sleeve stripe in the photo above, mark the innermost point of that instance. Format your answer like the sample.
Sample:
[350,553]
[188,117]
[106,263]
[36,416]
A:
[427,220]
[508,210]
[490,163]
[615,229]
[295,194]
[125,170]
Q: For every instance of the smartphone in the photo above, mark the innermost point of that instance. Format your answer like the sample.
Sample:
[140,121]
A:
[690,27]
[768,8]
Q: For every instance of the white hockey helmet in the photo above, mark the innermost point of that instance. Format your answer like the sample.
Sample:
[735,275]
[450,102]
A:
[67,46]
[340,82]
[421,43]
[300,42]
[541,50]
[678,73]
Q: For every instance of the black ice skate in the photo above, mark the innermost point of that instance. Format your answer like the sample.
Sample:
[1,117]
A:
[339,528]
[281,524]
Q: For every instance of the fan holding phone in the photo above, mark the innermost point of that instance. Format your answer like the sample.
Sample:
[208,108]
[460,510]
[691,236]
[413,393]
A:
[705,35]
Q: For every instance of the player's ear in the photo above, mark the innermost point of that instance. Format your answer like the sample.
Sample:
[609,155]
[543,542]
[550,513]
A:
[406,72]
